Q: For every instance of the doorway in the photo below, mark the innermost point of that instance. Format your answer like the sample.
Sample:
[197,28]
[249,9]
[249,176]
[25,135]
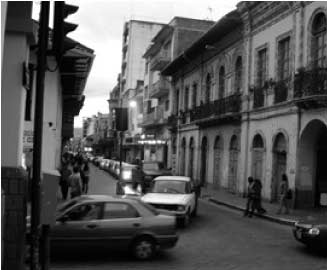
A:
[204,150]
[279,164]
[233,164]
[217,162]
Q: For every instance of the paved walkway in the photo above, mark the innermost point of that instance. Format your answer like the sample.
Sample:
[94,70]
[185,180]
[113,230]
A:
[222,197]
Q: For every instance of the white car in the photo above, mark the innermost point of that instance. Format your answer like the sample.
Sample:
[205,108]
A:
[174,195]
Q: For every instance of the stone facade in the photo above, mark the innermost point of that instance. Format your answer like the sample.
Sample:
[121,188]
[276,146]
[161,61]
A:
[259,107]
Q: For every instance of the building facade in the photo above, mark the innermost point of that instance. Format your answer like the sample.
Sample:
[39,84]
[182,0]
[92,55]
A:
[63,98]
[258,105]
[169,43]
[137,36]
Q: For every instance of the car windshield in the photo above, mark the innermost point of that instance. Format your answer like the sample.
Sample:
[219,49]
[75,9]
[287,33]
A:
[152,166]
[169,186]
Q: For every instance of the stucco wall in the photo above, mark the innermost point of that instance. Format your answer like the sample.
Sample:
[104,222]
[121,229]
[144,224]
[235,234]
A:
[13,99]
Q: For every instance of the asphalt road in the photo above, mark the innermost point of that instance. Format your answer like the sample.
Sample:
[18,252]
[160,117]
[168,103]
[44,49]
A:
[219,238]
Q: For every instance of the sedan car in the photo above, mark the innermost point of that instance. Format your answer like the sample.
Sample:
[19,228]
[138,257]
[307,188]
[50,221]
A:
[175,195]
[113,223]
[312,232]
[151,170]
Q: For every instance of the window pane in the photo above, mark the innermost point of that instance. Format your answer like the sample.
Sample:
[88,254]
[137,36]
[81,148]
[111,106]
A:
[85,212]
[119,210]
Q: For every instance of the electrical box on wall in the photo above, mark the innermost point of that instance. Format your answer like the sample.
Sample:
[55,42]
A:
[49,187]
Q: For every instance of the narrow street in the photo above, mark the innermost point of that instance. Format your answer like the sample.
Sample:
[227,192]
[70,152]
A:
[218,238]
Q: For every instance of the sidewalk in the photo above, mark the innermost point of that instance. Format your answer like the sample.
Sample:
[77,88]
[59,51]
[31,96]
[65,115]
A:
[234,201]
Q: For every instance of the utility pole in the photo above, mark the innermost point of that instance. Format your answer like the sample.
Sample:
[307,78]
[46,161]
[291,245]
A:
[43,36]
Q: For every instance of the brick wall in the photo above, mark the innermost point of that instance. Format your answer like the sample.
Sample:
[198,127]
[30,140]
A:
[13,184]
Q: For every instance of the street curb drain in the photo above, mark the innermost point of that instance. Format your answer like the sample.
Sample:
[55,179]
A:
[283,221]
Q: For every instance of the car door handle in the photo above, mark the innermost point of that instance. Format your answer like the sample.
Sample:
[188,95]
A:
[91,226]
[136,224]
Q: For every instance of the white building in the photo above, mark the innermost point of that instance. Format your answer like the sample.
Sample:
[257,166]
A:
[259,105]
[137,36]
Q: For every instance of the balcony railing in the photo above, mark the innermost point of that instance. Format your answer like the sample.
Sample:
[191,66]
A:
[156,117]
[160,60]
[308,83]
[281,90]
[220,107]
[159,88]
[258,97]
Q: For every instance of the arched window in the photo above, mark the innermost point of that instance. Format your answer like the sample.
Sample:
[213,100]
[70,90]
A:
[238,74]
[208,88]
[221,84]
[319,41]
[257,141]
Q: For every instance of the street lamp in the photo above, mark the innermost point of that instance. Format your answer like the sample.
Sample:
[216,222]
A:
[132,104]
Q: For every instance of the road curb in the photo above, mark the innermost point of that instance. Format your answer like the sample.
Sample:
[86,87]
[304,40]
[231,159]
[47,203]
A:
[271,218]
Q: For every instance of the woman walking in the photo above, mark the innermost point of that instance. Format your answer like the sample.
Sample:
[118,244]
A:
[75,183]
[284,195]
[85,172]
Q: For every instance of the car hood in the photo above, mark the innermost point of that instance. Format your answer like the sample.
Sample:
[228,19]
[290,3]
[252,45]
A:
[163,198]
[314,221]
[156,172]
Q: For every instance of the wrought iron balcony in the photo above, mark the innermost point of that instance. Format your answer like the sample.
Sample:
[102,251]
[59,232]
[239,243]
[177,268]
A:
[258,97]
[160,60]
[310,88]
[218,109]
[155,118]
[160,88]
[281,90]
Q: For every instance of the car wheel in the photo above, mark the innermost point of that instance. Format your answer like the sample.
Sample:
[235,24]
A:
[143,248]
[187,219]
[195,211]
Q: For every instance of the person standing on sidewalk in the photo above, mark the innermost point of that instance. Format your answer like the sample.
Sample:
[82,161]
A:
[257,196]
[75,183]
[85,173]
[283,192]
[250,205]
[64,181]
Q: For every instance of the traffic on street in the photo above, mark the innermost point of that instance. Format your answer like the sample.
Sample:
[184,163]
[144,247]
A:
[217,238]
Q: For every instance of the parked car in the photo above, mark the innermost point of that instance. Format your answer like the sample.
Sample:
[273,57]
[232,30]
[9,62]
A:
[104,164]
[152,169]
[97,160]
[312,232]
[176,195]
[115,223]
[130,181]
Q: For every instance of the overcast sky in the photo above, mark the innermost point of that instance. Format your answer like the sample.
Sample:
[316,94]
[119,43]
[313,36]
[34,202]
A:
[100,26]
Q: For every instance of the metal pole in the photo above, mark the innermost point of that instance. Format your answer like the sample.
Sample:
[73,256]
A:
[38,130]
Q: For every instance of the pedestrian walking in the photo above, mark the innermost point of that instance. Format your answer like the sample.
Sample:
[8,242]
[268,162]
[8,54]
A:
[64,181]
[257,186]
[75,183]
[250,205]
[284,193]
[85,173]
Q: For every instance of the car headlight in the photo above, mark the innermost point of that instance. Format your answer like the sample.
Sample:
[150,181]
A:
[314,231]
[180,208]
[126,175]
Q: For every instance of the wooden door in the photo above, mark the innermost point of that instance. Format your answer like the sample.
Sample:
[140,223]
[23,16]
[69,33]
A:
[279,170]
[216,172]
[232,176]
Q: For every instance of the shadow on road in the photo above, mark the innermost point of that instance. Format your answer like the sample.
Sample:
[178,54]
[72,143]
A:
[99,255]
